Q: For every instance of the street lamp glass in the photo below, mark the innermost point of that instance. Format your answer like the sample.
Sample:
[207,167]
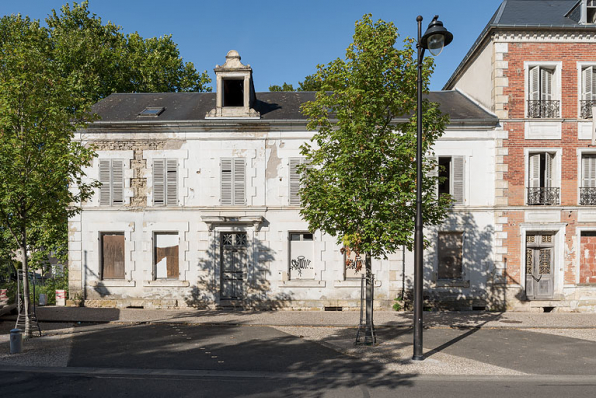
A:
[436,43]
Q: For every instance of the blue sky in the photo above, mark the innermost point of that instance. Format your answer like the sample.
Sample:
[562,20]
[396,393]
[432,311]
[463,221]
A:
[282,40]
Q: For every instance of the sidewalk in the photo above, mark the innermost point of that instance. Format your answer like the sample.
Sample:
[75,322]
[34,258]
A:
[451,319]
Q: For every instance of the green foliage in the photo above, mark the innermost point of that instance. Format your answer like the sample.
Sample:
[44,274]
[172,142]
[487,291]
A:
[360,183]
[98,60]
[49,287]
[397,305]
[285,87]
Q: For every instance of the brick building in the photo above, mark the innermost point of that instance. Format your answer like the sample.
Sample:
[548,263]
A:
[534,67]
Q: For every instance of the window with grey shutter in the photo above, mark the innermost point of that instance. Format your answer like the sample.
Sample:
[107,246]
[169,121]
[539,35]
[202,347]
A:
[588,83]
[534,83]
[165,182]
[534,172]
[546,84]
[294,181]
[233,185]
[111,176]
[457,173]
[451,176]
[589,171]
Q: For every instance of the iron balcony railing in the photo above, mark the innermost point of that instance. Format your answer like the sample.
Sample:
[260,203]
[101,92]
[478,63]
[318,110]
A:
[543,196]
[587,196]
[543,108]
[586,108]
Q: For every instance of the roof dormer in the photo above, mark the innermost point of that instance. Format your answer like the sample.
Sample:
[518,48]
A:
[584,12]
[235,96]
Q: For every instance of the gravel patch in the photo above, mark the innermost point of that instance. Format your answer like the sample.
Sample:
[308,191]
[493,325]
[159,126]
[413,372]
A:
[48,351]
[394,355]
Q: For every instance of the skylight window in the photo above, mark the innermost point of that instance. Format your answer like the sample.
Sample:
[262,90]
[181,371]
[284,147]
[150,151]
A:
[152,111]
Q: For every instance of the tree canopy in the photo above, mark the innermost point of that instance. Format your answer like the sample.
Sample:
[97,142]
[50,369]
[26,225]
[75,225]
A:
[310,83]
[360,183]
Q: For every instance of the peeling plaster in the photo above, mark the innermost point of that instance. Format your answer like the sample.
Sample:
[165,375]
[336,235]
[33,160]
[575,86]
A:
[273,162]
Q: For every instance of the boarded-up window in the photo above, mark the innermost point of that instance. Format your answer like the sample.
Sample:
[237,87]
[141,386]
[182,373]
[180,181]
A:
[165,182]
[166,255]
[302,255]
[451,176]
[450,253]
[112,252]
[233,177]
[111,177]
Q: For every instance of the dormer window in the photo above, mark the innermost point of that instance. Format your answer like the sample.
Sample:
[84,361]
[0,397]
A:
[591,11]
[152,111]
[235,97]
[233,94]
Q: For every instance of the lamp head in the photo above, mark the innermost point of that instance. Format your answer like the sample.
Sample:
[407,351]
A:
[436,37]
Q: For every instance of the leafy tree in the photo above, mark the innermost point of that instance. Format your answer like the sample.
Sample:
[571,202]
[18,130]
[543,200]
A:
[285,87]
[39,161]
[361,181]
[98,60]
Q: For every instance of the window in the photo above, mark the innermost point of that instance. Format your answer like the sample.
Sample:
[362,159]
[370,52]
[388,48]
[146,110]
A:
[591,11]
[450,252]
[233,92]
[233,181]
[588,91]
[165,181]
[451,177]
[111,177]
[541,189]
[152,111]
[166,255]
[541,93]
[301,255]
[587,190]
[354,264]
[295,180]
[112,255]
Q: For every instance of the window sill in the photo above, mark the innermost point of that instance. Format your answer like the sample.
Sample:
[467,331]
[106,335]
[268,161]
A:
[166,283]
[352,283]
[113,283]
[451,283]
[303,283]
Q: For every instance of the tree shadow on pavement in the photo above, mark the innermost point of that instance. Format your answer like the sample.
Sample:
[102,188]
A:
[260,351]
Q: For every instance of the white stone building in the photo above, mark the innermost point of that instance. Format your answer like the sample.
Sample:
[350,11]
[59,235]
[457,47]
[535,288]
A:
[199,206]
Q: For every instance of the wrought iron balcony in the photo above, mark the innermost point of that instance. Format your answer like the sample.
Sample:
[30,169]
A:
[586,108]
[543,196]
[543,108]
[587,196]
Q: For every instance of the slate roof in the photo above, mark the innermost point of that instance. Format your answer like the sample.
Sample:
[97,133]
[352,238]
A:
[273,106]
[527,14]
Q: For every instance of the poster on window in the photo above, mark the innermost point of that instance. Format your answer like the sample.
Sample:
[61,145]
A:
[354,263]
[301,260]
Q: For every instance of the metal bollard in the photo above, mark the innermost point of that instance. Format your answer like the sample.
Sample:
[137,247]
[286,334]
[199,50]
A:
[16,341]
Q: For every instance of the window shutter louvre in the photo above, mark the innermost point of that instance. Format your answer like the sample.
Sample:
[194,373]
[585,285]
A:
[546,77]
[239,181]
[104,178]
[534,171]
[548,170]
[158,182]
[171,182]
[534,83]
[117,182]
[588,83]
[457,164]
[589,171]
[294,181]
[226,181]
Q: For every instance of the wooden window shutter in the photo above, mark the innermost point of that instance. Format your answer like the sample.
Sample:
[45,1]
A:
[534,83]
[587,83]
[113,264]
[104,179]
[548,169]
[239,181]
[158,182]
[294,181]
[172,182]
[589,171]
[117,182]
[546,84]
[226,181]
[457,167]
[534,172]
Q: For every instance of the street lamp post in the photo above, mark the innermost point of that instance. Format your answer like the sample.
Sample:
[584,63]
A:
[435,38]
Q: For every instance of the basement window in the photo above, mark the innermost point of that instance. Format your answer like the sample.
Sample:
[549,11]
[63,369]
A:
[152,111]
[233,92]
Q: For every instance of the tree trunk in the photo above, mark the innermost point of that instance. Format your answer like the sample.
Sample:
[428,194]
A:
[23,248]
[369,334]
